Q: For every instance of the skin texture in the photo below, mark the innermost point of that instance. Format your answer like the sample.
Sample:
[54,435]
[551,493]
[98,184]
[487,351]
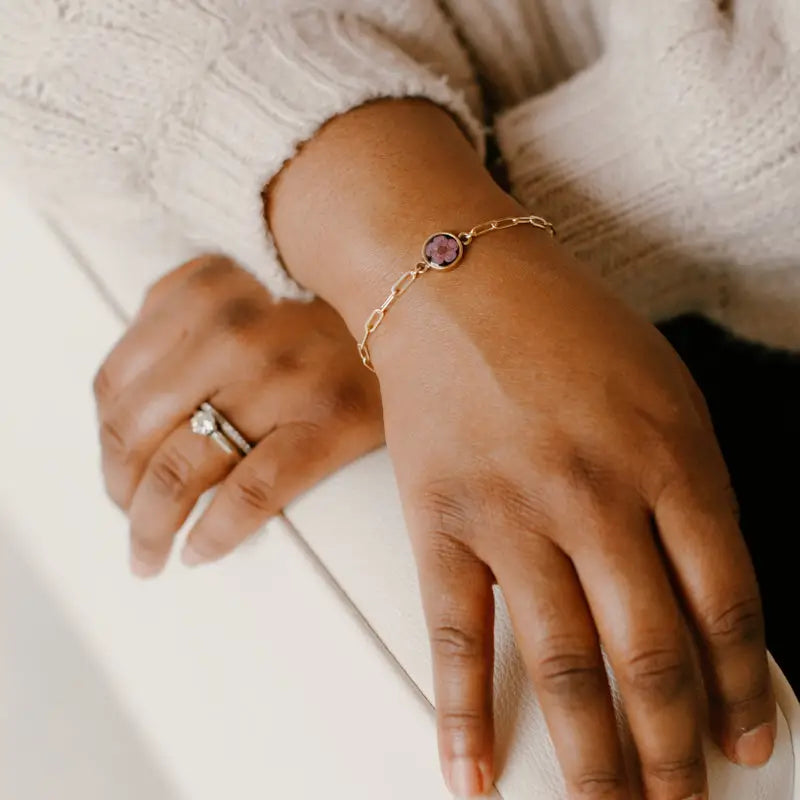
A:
[286,374]
[545,437]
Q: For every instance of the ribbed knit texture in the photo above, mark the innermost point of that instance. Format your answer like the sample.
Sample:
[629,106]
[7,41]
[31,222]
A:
[672,164]
[662,138]
[177,113]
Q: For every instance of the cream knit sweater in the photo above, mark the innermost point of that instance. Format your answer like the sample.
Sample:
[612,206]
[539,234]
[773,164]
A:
[661,136]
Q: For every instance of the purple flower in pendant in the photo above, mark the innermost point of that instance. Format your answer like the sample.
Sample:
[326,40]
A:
[442,250]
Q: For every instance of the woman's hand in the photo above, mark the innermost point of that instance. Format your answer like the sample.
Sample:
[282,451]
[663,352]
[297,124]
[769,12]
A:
[286,374]
[546,437]
[562,450]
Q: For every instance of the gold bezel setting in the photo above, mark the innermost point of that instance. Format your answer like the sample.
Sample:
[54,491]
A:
[450,239]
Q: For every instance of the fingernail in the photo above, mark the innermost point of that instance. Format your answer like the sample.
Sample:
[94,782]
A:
[191,557]
[755,747]
[143,569]
[466,779]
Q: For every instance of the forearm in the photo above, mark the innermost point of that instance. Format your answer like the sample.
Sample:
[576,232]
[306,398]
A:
[537,428]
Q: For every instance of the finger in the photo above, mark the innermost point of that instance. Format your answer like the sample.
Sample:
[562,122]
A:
[559,645]
[212,272]
[155,404]
[168,283]
[142,346]
[206,283]
[459,608]
[181,470]
[645,636]
[696,515]
[286,462]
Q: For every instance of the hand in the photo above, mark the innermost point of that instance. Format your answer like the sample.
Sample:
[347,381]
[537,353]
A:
[286,374]
[547,438]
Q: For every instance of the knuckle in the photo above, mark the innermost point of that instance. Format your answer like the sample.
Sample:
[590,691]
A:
[345,399]
[520,508]
[455,510]
[751,703]
[679,770]
[285,361]
[303,435]
[170,474]
[239,315]
[460,721]
[599,784]
[445,509]
[449,555]
[585,476]
[658,674]
[116,440]
[739,624]
[254,494]
[457,645]
[663,406]
[680,454]
[665,468]
[668,453]
[451,503]
[571,671]
[101,384]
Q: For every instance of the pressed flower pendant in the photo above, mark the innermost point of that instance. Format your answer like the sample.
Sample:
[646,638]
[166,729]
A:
[443,251]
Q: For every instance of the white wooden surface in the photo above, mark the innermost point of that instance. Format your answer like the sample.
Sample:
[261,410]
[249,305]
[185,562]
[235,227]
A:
[63,731]
[297,668]
[250,679]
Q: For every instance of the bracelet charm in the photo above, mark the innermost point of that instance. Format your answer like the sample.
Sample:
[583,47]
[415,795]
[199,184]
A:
[442,251]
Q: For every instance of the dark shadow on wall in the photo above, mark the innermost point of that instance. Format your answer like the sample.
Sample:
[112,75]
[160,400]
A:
[753,393]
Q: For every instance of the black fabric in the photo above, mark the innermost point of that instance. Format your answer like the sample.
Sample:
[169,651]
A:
[753,393]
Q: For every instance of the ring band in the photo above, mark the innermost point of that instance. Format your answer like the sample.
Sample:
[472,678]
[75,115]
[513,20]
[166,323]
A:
[224,443]
[228,429]
[207,421]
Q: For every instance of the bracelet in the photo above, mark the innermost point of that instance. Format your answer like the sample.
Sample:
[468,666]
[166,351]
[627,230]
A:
[442,251]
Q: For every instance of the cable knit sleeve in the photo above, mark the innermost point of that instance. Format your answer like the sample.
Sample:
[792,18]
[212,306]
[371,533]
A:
[183,111]
[671,165]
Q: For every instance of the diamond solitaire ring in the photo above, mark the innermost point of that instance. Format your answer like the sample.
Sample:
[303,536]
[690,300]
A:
[207,421]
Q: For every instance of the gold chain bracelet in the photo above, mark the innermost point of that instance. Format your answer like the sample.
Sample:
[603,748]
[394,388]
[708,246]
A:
[442,251]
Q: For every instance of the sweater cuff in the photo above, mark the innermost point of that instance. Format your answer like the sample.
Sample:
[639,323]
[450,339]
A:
[589,155]
[265,95]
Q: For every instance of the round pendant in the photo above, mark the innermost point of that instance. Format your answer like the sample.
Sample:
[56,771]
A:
[442,251]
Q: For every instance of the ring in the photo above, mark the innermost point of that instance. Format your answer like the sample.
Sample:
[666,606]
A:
[207,421]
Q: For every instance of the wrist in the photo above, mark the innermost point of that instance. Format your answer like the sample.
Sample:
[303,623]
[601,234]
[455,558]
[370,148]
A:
[375,259]
[351,211]
[501,286]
